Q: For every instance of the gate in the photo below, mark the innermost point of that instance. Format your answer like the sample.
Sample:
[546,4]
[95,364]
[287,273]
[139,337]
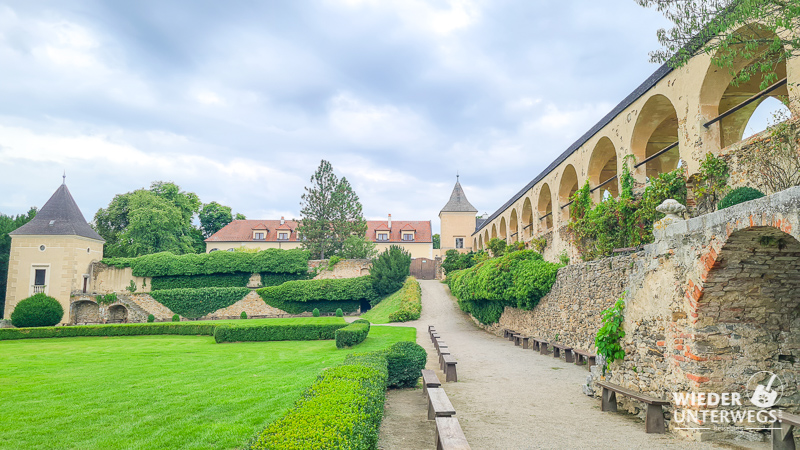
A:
[423,269]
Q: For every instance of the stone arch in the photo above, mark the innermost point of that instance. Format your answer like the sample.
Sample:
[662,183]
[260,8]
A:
[545,208]
[480,242]
[568,186]
[513,226]
[475,244]
[503,229]
[84,311]
[486,237]
[117,314]
[655,130]
[603,167]
[747,311]
[494,231]
[527,218]
[718,95]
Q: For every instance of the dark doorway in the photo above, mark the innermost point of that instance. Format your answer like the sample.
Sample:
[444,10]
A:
[39,276]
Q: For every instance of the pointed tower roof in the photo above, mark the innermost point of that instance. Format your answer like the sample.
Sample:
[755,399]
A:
[60,216]
[458,201]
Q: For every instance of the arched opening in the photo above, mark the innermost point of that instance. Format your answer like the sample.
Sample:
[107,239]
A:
[84,311]
[480,242]
[655,137]
[513,226]
[718,95]
[567,187]
[494,231]
[545,208]
[603,169]
[749,312]
[486,239]
[117,314]
[527,218]
[503,230]
[475,244]
[769,112]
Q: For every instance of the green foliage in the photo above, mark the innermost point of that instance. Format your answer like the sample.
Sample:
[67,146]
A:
[437,241]
[38,310]
[739,195]
[333,261]
[131,329]
[238,279]
[343,409]
[315,312]
[539,244]
[213,217]
[7,225]
[497,247]
[353,334]
[515,246]
[610,334]
[243,315]
[151,318]
[711,183]
[390,269]
[339,312]
[358,247]
[405,361]
[410,302]
[106,299]
[275,279]
[455,260]
[775,160]
[166,264]
[258,332]
[329,290]
[487,312]
[196,303]
[131,287]
[331,212]
[563,258]
[176,318]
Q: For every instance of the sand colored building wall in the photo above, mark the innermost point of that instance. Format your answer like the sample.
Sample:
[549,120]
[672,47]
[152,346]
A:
[66,259]
[223,246]
[417,249]
[456,225]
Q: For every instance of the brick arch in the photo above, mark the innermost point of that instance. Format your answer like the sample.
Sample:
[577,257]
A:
[494,231]
[84,311]
[117,314]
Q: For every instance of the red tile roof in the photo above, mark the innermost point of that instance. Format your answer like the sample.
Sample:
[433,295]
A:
[242,230]
[422,230]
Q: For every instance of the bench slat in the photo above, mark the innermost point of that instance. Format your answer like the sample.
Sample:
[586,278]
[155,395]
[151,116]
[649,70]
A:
[632,394]
[430,379]
[791,419]
[449,435]
[438,404]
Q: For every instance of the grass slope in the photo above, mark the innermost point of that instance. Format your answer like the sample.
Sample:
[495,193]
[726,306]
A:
[380,313]
[157,392]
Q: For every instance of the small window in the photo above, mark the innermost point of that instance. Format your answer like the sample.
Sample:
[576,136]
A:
[383,236]
[213,250]
[39,277]
[408,236]
[258,236]
[41,248]
[283,236]
[459,242]
[88,250]
[231,250]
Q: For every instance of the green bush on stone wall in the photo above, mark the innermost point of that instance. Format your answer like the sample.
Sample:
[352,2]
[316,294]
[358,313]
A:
[196,303]
[238,279]
[353,334]
[345,289]
[739,195]
[276,332]
[38,310]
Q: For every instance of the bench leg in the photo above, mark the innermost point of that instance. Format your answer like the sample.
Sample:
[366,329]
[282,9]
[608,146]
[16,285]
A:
[517,342]
[543,349]
[782,436]
[431,413]
[568,356]
[609,401]
[591,362]
[654,420]
[556,352]
[450,374]
[526,344]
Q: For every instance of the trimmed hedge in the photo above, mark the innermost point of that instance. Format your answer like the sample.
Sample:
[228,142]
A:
[342,409]
[410,302]
[739,195]
[302,307]
[238,279]
[352,334]
[38,310]
[345,289]
[166,264]
[196,303]
[405,361]
[276,279]
[276,332]
[133,329]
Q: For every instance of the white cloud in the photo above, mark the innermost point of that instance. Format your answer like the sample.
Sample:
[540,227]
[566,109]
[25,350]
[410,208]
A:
[450,16]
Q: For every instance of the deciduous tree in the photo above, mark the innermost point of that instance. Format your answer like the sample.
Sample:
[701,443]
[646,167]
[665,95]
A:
[7,225]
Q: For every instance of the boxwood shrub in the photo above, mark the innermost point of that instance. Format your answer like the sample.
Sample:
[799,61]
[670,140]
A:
[353,334]
[342,409]
[133,329]
[739,195]
[38,310]
[410,302]
[405,362]
[276,332]
[196,303]
[301,307]
[345,289]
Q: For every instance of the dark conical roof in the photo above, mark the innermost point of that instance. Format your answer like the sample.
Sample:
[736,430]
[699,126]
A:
[60,216]
[458,201]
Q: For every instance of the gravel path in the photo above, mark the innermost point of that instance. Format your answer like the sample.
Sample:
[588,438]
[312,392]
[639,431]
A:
[509,398]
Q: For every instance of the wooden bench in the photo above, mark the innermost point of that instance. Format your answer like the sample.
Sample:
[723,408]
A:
[449,368]
[557,349]
[429,380]
[438,343]
[449,435]
[507,331]
[541,345]
[581,356]
[525,341]
[444,351]
[434,336]
[517,339]
[654,419]
[438,404]
[783,431]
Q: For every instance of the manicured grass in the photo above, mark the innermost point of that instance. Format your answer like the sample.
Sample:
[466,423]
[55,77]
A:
[157,392]
[380,313]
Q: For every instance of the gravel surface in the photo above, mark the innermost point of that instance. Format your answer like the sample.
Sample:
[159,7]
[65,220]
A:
[510,398]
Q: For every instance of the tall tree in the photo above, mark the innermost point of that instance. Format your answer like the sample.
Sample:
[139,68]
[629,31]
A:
[213,217]
[7,225]
[730,31]
[330,212]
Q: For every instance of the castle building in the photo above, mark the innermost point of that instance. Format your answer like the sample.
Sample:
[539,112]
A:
[458,221]
[52,254]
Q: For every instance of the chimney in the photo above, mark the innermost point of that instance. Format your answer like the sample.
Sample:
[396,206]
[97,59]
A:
[282,221]
[390,221]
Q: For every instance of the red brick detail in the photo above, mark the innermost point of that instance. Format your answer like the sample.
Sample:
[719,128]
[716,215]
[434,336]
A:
[679,347]
[697,378]
[692,356]
[661,344]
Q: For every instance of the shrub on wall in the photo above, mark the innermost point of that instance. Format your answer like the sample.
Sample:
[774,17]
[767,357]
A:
[405,361]
[739,195]
[196,303]
[315,312]
[238,279]
[389,270]
[345,289]
[410,302]
[151,318]
[276,332]
[243,315]
[38,310]
[353,334]
[339,312]
[176,318]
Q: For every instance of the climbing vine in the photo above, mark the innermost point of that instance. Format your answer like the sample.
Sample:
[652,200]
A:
[610,334]
[711,183]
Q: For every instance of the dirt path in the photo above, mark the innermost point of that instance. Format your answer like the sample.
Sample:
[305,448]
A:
[509,398]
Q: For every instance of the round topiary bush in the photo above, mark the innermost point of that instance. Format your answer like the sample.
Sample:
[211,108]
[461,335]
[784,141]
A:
[315,313]
[739,195]
[405,360]
[151,318]
[176,318]
[39,310]
[339,312]
[243,315]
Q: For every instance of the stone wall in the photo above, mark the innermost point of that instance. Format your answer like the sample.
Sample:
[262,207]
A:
[346,268]
[252,304]
[108,279]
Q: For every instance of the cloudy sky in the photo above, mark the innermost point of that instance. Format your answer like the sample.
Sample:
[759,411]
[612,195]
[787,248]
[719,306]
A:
[238,101]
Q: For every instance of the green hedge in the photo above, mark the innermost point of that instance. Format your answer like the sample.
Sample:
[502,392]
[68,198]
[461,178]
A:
[739,195]
[196,303]
[518,279]
[345,289]
[303,307]
[410,302]
[276,332]
[276,279]
[343,409]
[133,329]
[405,362]
[166,264]
[238,279]
[353,334]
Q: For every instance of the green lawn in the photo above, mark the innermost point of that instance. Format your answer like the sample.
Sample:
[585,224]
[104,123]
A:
[157,392]
[380,313]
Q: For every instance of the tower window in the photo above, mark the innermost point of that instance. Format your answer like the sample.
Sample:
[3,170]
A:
[459,242]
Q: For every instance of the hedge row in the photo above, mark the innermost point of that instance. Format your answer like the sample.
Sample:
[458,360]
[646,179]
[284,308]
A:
[345,289]
[238,279]
[410,302]
[166,264]
[352,334]
[518,279]
[324,307]
[134,329]
[277,332]
[196,303]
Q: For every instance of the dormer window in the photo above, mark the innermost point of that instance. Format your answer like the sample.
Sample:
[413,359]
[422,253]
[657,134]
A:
[258,235]
[383,236]
[283,235]
[408,235]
